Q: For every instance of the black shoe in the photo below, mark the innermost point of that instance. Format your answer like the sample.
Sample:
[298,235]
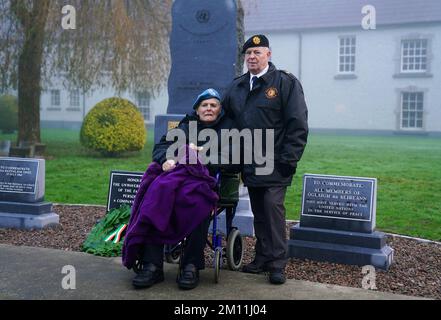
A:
[253,267]
[188,277]
[148,276]
[277,276]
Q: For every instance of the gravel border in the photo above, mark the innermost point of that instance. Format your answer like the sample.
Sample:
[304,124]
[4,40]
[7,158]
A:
[416,270]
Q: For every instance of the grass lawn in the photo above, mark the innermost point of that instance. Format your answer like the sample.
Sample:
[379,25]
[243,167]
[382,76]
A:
[408,170]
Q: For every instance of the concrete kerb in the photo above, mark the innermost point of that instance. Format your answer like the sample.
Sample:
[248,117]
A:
[99,278]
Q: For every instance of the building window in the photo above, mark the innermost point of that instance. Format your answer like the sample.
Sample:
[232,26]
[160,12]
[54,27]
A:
[347,55]
[412,105]
[55,98]
[75,99]
[143,99]
[414,55]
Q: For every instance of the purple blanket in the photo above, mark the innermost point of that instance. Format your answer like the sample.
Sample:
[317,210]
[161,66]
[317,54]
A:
[168,207]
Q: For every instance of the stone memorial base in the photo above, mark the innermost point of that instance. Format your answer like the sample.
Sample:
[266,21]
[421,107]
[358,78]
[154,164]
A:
[4,148]
[25,150]
[27,215]
[343,247]
[243,220]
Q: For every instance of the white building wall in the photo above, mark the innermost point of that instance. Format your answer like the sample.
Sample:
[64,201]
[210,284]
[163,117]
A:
[73,118]
[287,58]
[371,101]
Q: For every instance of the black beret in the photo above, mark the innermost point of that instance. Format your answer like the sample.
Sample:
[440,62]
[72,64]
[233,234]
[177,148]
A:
[258,40]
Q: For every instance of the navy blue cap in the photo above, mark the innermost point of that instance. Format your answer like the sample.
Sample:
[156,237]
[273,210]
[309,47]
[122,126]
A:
[207,94]
[258,40]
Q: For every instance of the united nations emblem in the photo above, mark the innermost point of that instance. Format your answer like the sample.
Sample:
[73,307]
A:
[271,93]
[203,16]
[256,40]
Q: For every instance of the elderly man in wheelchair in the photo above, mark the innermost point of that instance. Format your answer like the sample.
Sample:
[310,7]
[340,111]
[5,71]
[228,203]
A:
[176,200]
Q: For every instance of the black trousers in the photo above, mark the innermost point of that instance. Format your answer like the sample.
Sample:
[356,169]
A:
[193,251]
[269,213]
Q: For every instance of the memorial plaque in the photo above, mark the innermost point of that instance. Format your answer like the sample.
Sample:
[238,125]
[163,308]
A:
[338,202]
[123,187]
[22,186]
[21,180]
[338,221]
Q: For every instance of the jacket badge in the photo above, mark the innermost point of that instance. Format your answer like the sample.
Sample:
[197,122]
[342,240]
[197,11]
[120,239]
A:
[271,93]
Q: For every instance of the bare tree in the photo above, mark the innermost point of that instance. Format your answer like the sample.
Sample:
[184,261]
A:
[240,26]
[118,43]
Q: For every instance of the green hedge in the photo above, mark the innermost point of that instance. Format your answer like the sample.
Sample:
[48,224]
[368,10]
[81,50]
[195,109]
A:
[113,126]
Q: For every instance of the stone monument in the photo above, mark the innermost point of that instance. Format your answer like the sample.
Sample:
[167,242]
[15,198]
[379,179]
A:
[5,145]
[203,47]
[22,187]
[337,223]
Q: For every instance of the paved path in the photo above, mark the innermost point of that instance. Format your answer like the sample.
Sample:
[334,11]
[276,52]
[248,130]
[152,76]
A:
[36,273]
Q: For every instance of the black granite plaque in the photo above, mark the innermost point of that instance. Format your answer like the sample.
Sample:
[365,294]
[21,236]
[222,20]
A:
[21,180]
[123,187]
[18,176]
[339,203]
[338,221]
[22,186]
[203,47]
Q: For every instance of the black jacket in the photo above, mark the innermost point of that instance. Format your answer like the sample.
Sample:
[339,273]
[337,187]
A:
[222,122]
[276,102]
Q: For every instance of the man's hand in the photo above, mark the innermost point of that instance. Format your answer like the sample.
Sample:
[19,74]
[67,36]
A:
[169,165]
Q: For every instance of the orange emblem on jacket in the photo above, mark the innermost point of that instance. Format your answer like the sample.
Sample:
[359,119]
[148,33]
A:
[271,93]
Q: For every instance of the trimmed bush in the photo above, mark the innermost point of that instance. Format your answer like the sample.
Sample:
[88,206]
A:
[112,127]
[9,113]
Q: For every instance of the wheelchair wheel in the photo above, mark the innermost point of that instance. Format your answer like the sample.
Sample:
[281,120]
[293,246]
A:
[173,253]
[234,250]
[217,264]
[137,266]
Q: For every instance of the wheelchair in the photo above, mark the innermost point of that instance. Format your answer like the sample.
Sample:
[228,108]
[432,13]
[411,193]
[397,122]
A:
[232,252]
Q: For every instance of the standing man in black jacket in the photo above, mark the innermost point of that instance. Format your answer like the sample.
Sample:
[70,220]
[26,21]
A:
[266,98]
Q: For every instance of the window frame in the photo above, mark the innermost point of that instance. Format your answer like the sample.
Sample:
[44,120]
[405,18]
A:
[416,92]
[347,55]
[145,109]
[55,98]
[398,56]
[74,94]
[426,56]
